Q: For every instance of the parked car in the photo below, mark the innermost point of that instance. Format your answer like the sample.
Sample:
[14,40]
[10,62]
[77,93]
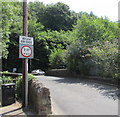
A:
[38,72]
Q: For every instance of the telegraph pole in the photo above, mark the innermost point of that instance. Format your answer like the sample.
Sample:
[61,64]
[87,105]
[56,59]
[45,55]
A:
[25,61]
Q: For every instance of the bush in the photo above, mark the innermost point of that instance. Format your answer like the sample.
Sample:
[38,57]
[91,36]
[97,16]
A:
[5,72]
[19,85]
[57,59]
[6,79]
[100,59]
[78,57]
[106,58]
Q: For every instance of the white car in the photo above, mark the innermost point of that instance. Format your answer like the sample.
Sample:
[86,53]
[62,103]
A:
[38,72]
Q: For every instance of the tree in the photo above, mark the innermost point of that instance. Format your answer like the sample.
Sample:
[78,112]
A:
[10,23]
[36,10]
[91,29]
[95,47]
[106,57]
[57,59]
[54,16]
[6,22]
[77,56]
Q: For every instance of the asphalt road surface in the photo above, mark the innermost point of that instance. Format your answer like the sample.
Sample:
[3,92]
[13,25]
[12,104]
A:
[81,97]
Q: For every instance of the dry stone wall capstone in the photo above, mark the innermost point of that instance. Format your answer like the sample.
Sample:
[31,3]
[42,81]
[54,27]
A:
[39,98]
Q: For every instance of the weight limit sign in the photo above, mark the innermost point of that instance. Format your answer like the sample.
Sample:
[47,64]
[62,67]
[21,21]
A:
[25,51]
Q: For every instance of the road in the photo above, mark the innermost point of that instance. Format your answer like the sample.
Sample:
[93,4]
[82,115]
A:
[80,97]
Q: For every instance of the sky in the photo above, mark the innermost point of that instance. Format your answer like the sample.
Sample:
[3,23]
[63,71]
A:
[108,8]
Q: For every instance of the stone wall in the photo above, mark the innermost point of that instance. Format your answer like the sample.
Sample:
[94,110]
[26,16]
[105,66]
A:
[39,98]
[60,73]
[66,73]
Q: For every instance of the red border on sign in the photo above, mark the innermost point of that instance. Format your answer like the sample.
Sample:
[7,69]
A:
[23,54]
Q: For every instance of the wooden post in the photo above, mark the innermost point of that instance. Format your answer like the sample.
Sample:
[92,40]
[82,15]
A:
[25,61]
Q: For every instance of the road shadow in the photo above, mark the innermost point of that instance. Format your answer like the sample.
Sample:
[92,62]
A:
[103,88]
[9,112]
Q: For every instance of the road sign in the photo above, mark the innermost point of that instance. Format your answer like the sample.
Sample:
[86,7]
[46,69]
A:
[26,40]
[26,47]
[25,51]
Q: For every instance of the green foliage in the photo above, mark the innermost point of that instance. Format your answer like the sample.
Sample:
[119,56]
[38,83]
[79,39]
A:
[57,59]
[95,47]
[30,77]
[89,40]
[49,43]
[9,22]
[91,29]
[6,79]
[34,28]
[4,72]
[19,85]
[106,58]
[54,16]
[15,29]
[77,56]
[102,59]
[6,17]
[54,38]
[36,10]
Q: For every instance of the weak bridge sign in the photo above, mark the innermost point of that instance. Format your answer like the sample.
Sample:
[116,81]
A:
[26,48]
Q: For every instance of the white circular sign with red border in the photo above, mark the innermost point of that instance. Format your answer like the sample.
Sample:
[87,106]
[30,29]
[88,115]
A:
[26,51]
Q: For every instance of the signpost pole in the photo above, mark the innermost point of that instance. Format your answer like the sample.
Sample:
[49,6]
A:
[25,61]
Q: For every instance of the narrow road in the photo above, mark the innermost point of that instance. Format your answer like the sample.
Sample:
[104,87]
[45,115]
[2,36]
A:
[81,97]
